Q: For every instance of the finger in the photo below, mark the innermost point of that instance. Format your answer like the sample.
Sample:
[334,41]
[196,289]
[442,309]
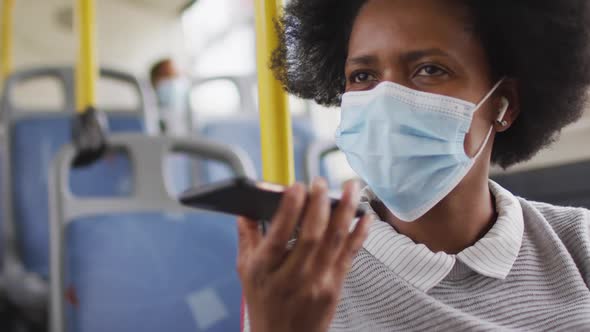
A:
[339,226]
[249,236]
[313,226]
[274,244]
[353,245]
[249,239]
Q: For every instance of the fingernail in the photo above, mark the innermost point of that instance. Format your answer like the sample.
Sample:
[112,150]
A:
[291,191]
[314,185]
[297,188]
[355,191]
[356,186]
[370,219]
[318,185]
[320,182]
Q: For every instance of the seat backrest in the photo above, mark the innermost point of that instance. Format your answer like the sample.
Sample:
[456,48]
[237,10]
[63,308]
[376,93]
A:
[33,138]
[244,86]
[143,261]
[244,132]
[315,162]
[564,185]
[145,109]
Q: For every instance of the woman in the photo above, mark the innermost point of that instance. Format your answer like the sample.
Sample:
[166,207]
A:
[432,92]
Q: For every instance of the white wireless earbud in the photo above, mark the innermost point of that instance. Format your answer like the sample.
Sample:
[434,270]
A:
[502,112]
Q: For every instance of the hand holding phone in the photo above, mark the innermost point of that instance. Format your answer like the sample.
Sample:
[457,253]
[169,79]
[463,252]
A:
[300,284]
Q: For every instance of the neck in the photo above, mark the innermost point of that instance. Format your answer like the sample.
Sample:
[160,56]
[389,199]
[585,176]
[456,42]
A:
[457,222]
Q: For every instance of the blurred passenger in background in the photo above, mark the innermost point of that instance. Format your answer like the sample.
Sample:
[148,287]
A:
[172,90]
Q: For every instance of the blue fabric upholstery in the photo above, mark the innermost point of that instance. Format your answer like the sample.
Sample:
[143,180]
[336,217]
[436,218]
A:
[34,143]
[245,133]
[179,173]
[152,272]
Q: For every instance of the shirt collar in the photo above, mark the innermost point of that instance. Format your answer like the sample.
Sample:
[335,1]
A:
[492,256]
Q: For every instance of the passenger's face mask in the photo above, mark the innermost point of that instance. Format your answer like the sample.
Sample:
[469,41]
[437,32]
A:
[173,105]
[407,145]
[172,93]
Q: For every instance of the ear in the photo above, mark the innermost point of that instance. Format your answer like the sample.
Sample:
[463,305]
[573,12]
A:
[507,92]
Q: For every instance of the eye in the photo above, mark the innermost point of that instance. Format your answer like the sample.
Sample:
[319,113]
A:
[361,77]
[430,71]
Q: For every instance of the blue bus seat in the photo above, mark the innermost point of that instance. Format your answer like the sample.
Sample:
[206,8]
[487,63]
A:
[180,173]
[152,272]
[143,262]
[244,132]
[315,163]
[34,143]
[33,138]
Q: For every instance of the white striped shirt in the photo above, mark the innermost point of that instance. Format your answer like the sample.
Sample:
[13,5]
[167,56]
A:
[492,256]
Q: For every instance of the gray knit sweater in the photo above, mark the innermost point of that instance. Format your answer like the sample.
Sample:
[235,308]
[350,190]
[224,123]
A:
[531,272]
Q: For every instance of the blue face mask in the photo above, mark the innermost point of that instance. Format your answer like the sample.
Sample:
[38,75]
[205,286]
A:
[172,93]
[173,102]
[407,145]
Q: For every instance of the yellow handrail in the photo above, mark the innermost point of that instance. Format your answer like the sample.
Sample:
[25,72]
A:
[7,40]
[275,119]
[86,69]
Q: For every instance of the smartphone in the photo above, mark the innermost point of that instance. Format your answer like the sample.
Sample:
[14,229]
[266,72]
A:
[242,196]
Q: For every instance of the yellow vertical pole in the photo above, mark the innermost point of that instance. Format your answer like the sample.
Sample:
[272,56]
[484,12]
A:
[86,69]
[7,40]
[275,119]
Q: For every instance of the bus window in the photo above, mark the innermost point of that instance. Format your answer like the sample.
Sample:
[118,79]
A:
[233,54]
[204,19]
[338,168]
[219,36]
[42,94]
[297,106]
[114,95]
[325,120]
[215,98]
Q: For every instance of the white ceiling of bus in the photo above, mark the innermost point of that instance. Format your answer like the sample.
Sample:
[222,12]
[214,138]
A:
[170,6]
[132,34]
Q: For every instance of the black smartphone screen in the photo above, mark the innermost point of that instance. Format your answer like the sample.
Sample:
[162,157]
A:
[241,196]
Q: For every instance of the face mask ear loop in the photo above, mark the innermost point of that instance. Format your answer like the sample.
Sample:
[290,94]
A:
[487,96]
[485,142]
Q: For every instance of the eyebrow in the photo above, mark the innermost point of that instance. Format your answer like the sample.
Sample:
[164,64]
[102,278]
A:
[362,60]
[406,57]
[418,54]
